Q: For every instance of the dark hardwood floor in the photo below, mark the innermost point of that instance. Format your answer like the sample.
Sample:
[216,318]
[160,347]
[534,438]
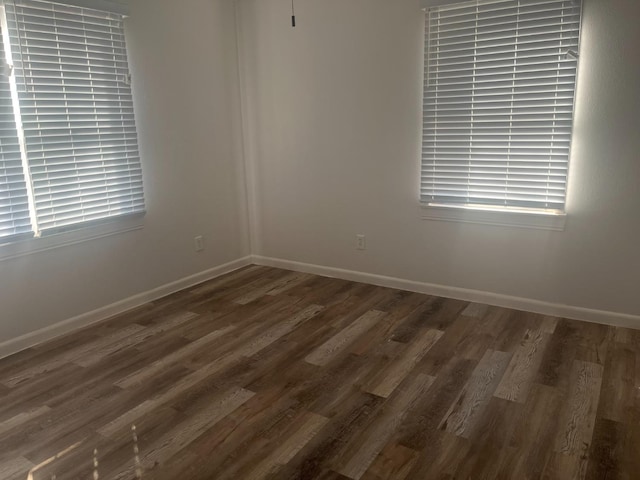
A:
[265,373]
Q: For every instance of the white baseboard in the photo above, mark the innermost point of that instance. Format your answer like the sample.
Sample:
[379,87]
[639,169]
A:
[48,333]
[517,303]
[18,344]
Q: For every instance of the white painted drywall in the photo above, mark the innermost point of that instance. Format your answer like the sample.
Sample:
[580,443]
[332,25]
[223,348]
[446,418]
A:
[333,115]
[183,58]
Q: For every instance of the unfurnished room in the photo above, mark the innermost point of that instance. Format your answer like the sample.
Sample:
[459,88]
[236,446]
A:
[319,239]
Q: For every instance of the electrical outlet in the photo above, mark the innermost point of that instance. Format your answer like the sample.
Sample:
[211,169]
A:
[361,242]
[199,243]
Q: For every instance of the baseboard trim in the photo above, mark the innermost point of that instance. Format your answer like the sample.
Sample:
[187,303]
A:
[32,339]
[517,303]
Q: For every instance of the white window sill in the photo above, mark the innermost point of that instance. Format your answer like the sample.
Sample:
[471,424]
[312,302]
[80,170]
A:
[29,246]
[498,217]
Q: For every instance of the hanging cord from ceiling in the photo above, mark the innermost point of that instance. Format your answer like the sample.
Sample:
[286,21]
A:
[293,14]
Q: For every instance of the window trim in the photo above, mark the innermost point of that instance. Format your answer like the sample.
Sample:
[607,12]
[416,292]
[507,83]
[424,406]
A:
[499,217]
[19,246]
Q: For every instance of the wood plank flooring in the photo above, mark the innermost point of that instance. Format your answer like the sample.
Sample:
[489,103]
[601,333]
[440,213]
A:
[271,374]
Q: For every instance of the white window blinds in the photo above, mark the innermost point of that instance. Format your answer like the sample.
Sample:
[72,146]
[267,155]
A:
[14,200]
[499,89]
[80,141]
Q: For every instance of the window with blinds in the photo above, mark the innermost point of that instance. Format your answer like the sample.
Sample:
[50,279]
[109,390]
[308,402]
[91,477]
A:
[500,77]
[73,110]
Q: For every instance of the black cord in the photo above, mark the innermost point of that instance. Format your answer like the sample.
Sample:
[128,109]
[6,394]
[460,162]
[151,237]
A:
[293,14]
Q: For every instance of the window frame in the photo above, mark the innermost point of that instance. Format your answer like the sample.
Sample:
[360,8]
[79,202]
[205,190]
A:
[14,246]
[487,214]
[23,245]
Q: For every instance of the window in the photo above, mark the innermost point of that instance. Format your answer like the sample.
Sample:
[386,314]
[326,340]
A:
[498,101]
[68,144]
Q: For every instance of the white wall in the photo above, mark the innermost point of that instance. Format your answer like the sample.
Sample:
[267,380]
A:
[184,65]
[333,116]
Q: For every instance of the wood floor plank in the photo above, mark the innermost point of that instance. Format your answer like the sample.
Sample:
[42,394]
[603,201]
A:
[438,314]
[23,417]
[283,328]
[465,412]
[628,460]
[386,382]
[241,428]
[636,382]
[398,308]
[320,454]
[185,465]
[578,419]
[184,433]
[43,354]
[120,365]
[331,475]
[325,291]
[534,433]
[268,373]
[594,341]
[556,364]
[510,328]
[290,447]
[606,456]
[250,324]
[337,344]
[549,324]
[38,392]
[329,390]
[563,467]
[618,383]
[492,461]
[523,368]
[364,450]
[273,287]
[353,303]
[70,356]
[52,432]
[124,421]
[456,334]
[16,468]
[113,455]
[215,284]
[97,354]
[150,371]
[475,310]
[420,428]
[230,291]
[203,373]
[393,463]
[443,458]
[290,282]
